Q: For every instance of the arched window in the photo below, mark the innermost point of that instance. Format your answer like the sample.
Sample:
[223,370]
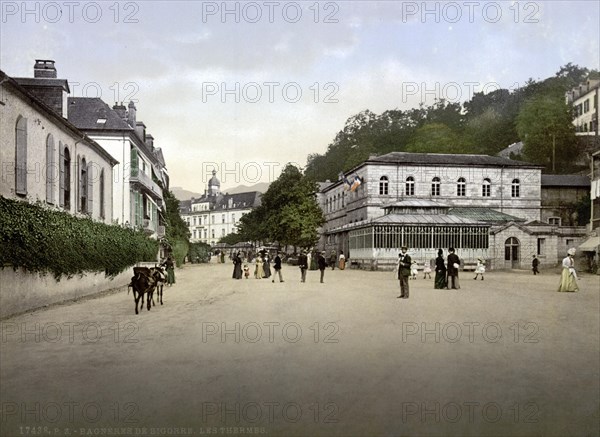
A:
[486,188]
[410,186]
[83,185]
[343,200]
[50,176]
[21,156]
[515,188]
[461,187]
[383,186]
[64,191]
[435,186]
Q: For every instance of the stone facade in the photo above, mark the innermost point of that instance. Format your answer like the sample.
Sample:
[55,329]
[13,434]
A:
[48,138]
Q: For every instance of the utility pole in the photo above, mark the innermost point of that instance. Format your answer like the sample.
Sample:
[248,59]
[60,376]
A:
[553,153]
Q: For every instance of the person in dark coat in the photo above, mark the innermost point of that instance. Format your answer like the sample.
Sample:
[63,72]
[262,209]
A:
[277,267]
[332,260]
[303,264]
[237,266]
[169,265]
[534,265]
[403,267]
[453,266]
[267,266]
[322,264]
[440,271]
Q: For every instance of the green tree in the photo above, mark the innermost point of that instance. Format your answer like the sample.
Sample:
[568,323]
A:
[289,213]
[546,129]
[435,138]
[177,232]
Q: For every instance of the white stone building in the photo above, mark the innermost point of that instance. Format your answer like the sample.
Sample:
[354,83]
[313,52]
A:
[584,99]
[215,215]
[481,205]
[45,157]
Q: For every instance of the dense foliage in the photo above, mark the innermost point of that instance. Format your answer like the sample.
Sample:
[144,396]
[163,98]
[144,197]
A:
[199,252]
[177,232]
[535,113]
[43,240]
[289,213]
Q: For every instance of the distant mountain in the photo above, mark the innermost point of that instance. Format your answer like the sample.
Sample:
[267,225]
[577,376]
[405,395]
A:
[183,194]
[261,187]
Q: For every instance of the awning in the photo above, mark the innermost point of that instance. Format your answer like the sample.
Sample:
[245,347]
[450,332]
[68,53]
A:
[590,245]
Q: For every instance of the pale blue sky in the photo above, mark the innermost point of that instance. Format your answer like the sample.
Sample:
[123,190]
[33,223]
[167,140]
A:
[378,55]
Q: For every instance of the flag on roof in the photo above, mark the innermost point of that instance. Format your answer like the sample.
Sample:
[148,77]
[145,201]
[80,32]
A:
[356,183]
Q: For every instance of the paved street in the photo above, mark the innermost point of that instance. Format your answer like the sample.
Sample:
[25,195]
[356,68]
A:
[500,357]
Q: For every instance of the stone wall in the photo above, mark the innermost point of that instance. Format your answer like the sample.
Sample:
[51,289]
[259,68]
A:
[22,291]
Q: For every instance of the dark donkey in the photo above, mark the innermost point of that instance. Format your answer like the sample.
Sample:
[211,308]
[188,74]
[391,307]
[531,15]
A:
[159,276]
[142,282]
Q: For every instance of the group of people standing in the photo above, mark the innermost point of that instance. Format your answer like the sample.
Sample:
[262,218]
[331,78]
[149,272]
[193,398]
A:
[262,268]
[446,271]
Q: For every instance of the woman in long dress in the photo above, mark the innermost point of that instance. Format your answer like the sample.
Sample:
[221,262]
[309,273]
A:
[342,261]
[259,272]
[568,277]
[440,272]
[237,266]
[267,267]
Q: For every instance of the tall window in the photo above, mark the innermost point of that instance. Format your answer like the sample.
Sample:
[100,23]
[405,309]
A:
[410,186]
[222,218]
[486,188]
[64,191]
[541,246]
[50,169]
[435,186]
[85,187]
[102,212]
[21,156]
[515,188]
[461,187]
[383,186]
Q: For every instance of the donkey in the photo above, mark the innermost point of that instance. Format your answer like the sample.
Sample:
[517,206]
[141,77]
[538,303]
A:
[142,282]
[159,277]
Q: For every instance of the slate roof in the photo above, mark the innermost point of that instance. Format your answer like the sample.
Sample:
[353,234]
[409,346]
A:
[565,180]
[484,215]
[516,148]
[425,219]
[250,199]
[447,160]
[84,113]
[42,81]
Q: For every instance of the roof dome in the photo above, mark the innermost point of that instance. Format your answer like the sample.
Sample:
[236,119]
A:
[214,182]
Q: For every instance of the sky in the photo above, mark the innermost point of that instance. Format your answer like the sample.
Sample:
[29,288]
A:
[246,87]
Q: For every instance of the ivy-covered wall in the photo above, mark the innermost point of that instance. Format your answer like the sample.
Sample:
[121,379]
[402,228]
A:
[42,240]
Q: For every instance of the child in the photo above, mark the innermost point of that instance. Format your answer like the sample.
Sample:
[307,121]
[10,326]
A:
[480,269]
[246,271]
[414,269]
[426,271]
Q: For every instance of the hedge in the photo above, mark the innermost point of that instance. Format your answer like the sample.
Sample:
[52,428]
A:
[43,240]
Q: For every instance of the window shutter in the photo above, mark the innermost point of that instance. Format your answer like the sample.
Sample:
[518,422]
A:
[90,190]
[61,165]
[50,169]
[134,162]
[21,157]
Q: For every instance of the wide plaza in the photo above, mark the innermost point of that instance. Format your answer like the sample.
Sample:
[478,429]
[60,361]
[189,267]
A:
[507,356]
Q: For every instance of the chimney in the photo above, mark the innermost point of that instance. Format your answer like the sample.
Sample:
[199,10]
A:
[131,115]
[150,141]
[121,110]
[140,130]
[44,68]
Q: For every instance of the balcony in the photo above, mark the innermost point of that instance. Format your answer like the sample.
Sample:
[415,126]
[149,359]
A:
[143,180]
[148,226]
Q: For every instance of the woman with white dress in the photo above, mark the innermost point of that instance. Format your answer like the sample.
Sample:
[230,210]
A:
[480,269]
[568,277]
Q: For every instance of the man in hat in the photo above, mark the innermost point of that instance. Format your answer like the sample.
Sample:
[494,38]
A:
[303,264]
[404,263]
[453,266]
[322,264]
[534,265]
